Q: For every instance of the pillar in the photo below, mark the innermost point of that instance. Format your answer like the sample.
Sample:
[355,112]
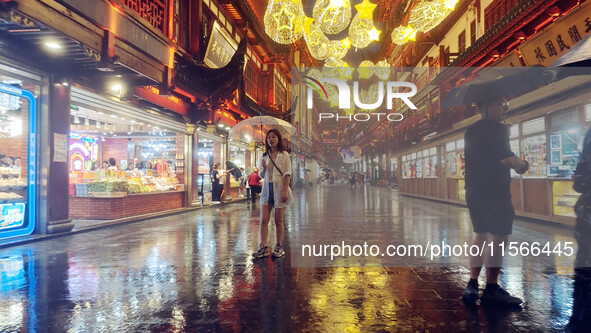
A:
[58,178]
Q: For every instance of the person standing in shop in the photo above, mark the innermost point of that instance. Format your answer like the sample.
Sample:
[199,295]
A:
[275,169]
[216,188]
[3,162]
[488,162]
[112,164]
[580,320]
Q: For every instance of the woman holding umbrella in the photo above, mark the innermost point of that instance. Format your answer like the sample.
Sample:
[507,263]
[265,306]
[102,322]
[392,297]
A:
[275,168]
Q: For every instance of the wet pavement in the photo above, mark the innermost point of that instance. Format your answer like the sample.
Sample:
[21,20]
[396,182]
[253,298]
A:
[193,272]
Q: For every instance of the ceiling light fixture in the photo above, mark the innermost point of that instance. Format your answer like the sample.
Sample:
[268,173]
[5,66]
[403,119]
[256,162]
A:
[53,45]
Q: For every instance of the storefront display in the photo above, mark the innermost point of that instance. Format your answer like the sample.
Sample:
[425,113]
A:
[17,157]
[117,156]
[565,152]
[455,163]
[534,151]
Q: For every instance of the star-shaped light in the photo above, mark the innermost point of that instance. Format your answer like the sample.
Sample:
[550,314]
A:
[450,4]
[365,9]
[308,24]
[336,4]
[374,34]
[401,34]
[284,19]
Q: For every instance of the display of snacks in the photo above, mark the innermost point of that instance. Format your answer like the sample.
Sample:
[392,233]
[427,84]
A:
[5,171]
[12,182]
[10,197]
[111,185]
[130,185]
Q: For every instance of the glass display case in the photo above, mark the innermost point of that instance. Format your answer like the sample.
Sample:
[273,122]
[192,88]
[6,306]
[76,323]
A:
[17,159]
[564,198]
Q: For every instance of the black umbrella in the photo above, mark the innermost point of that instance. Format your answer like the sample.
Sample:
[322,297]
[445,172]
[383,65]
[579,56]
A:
[494,83]
[233,169]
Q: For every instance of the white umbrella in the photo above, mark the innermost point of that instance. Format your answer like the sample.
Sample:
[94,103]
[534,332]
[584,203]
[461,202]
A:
[254,129]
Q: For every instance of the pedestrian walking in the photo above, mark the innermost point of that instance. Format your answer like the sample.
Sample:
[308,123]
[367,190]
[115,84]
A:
[275,168]
[581,318]
[254,184]
[488,162]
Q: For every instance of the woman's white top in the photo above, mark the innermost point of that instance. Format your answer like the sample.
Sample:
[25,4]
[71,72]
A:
[283,162]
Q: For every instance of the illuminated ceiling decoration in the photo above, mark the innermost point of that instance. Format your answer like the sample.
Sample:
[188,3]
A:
[401,35]
[338,48]
[362,31]
[332,16]
[285,23]
[425,16]
[316,40]
[283,20]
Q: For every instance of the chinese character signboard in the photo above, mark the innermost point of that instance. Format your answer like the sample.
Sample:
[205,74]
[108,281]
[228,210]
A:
[558,38]
[220,49]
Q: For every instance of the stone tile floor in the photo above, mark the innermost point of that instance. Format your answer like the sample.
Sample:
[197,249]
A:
[193,272]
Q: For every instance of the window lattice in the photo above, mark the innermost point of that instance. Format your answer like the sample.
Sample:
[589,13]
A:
[150,10]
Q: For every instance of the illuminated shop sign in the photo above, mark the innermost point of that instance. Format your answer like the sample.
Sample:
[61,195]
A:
[12,215]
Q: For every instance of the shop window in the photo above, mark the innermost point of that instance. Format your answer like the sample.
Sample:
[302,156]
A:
[456,163]
[515,149]
[419,168]
[17,187]
[514,131]
[565,151]
[533,126]
[534,151]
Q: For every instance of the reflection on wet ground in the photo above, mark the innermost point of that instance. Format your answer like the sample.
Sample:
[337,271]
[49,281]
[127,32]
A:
[193,273]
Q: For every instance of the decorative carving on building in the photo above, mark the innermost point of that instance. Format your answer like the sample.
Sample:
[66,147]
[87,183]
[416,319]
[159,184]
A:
[150,10]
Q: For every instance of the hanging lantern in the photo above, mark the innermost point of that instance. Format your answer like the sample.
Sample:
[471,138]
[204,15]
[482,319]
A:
[332,16]
[317,42]
[338,48]
[362,31]
[401,35]
[283,20]
[429,14]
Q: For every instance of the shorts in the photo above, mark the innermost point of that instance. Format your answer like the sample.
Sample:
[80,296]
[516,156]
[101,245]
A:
[494,216]
[271,199]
